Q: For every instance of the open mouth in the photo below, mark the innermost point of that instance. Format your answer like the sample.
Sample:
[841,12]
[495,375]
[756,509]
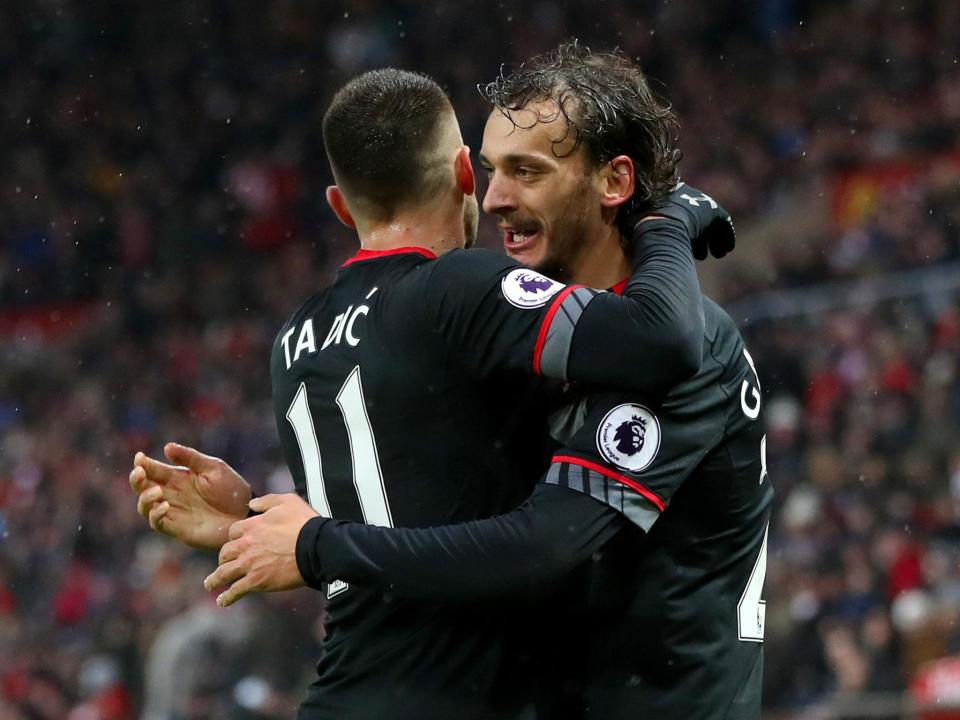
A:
[518,239]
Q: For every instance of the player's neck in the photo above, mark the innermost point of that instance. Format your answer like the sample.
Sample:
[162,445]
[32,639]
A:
[602,262]
[438,234]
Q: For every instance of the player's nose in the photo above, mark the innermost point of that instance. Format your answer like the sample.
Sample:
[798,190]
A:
[498,199]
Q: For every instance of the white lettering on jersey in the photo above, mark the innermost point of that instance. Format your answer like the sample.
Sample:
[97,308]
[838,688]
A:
[334,330]
[352,339]
[763,459]
[343,322]
[305,341]
[286,345]
[751,410]
[343,328]
[752,609]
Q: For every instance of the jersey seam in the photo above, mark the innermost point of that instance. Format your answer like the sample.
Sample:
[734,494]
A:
[723,409]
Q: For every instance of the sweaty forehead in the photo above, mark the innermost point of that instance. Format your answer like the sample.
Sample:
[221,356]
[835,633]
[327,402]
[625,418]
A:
[537,129]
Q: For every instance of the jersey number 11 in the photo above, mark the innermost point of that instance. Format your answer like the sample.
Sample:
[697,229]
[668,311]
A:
[367,476]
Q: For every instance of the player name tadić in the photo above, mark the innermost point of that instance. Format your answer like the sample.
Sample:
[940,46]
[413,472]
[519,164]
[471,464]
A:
[342,330]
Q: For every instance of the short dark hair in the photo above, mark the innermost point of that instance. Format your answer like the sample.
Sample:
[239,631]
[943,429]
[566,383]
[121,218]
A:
[377,133]
[609,108]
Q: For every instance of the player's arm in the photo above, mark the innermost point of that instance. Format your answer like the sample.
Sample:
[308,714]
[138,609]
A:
[647,339]
[501,317]
[622,466]
[549,535]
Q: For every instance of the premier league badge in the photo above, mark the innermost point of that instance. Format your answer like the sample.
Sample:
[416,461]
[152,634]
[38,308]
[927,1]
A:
[528,289]
[629,437]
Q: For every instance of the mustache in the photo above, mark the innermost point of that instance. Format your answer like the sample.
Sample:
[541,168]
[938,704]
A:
[517,223]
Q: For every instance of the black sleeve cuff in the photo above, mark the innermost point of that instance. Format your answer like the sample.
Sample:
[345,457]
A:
[308,559]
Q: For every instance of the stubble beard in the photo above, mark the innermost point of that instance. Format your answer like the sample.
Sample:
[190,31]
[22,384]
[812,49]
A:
[560,260]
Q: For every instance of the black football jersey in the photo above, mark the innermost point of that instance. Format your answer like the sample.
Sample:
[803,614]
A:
[672,624]
[402,399]
[659,509]
[372,405]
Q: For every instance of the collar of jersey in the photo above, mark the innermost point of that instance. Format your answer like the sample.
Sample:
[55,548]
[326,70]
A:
[619,287]
[372,254]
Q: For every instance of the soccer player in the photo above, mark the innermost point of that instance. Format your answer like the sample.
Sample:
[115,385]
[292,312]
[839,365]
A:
[666,497]
[408,370]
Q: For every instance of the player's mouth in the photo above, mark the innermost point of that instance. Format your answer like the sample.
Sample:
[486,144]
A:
[519,239]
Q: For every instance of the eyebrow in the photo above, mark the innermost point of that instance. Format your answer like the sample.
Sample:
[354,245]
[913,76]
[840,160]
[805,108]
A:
[518,158]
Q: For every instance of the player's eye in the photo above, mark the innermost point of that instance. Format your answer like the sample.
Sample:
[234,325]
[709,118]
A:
[525,172]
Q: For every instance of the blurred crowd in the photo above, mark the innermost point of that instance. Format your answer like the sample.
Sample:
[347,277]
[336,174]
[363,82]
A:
[161,212]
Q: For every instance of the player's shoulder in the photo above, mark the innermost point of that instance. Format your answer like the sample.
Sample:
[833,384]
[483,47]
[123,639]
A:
[472,263]
[723,361]
[459,276]
[730,360]
[720,331]
[473,274]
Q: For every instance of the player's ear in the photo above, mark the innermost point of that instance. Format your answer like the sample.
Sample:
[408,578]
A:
[338,204]
[617,181]
[463,169]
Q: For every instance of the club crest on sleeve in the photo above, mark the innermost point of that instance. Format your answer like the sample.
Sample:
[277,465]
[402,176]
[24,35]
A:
[629,437]
[528,289]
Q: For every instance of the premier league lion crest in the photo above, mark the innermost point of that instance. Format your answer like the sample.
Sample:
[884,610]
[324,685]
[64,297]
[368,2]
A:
[629,437]
[528,289]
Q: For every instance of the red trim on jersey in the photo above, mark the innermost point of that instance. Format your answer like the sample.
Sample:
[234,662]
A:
[619,287]
[629,482]
[545,325]
[370,254]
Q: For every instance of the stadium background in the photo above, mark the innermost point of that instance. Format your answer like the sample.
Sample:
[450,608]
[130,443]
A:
[161,178]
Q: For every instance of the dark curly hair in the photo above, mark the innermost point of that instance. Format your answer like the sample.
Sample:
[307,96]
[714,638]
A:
[608,107]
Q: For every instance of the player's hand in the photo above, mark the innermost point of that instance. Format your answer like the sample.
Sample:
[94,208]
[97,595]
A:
[709,226]
[261,555]
[194,500]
